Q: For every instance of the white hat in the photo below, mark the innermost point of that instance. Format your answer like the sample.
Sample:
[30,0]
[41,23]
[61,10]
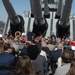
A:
[23,34]
[73,47]
[0,35]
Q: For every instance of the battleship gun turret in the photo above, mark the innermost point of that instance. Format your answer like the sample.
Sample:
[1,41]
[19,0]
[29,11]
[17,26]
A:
[63,24]
[40,24]
[16,21]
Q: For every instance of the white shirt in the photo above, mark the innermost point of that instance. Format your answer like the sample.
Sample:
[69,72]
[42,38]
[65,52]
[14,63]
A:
[59,62]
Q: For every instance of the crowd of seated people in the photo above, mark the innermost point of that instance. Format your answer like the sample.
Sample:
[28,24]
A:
[35,55]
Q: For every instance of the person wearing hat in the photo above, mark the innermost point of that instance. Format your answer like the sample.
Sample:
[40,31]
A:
[33,51]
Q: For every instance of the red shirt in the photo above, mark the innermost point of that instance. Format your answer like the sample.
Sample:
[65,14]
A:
[72,43]
[22,39]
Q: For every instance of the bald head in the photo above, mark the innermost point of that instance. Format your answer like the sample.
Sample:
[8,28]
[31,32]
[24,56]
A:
[60,46]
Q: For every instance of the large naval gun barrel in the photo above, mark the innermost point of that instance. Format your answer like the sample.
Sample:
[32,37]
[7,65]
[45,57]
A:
[59,10]
[40,24]
[46,9]
[63,24]
[16,21]
[32,8]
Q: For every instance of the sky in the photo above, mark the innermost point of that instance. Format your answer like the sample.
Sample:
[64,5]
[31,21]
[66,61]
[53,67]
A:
[20,6]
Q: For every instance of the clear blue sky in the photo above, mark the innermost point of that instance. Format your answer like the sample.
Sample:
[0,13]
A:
[20,6]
